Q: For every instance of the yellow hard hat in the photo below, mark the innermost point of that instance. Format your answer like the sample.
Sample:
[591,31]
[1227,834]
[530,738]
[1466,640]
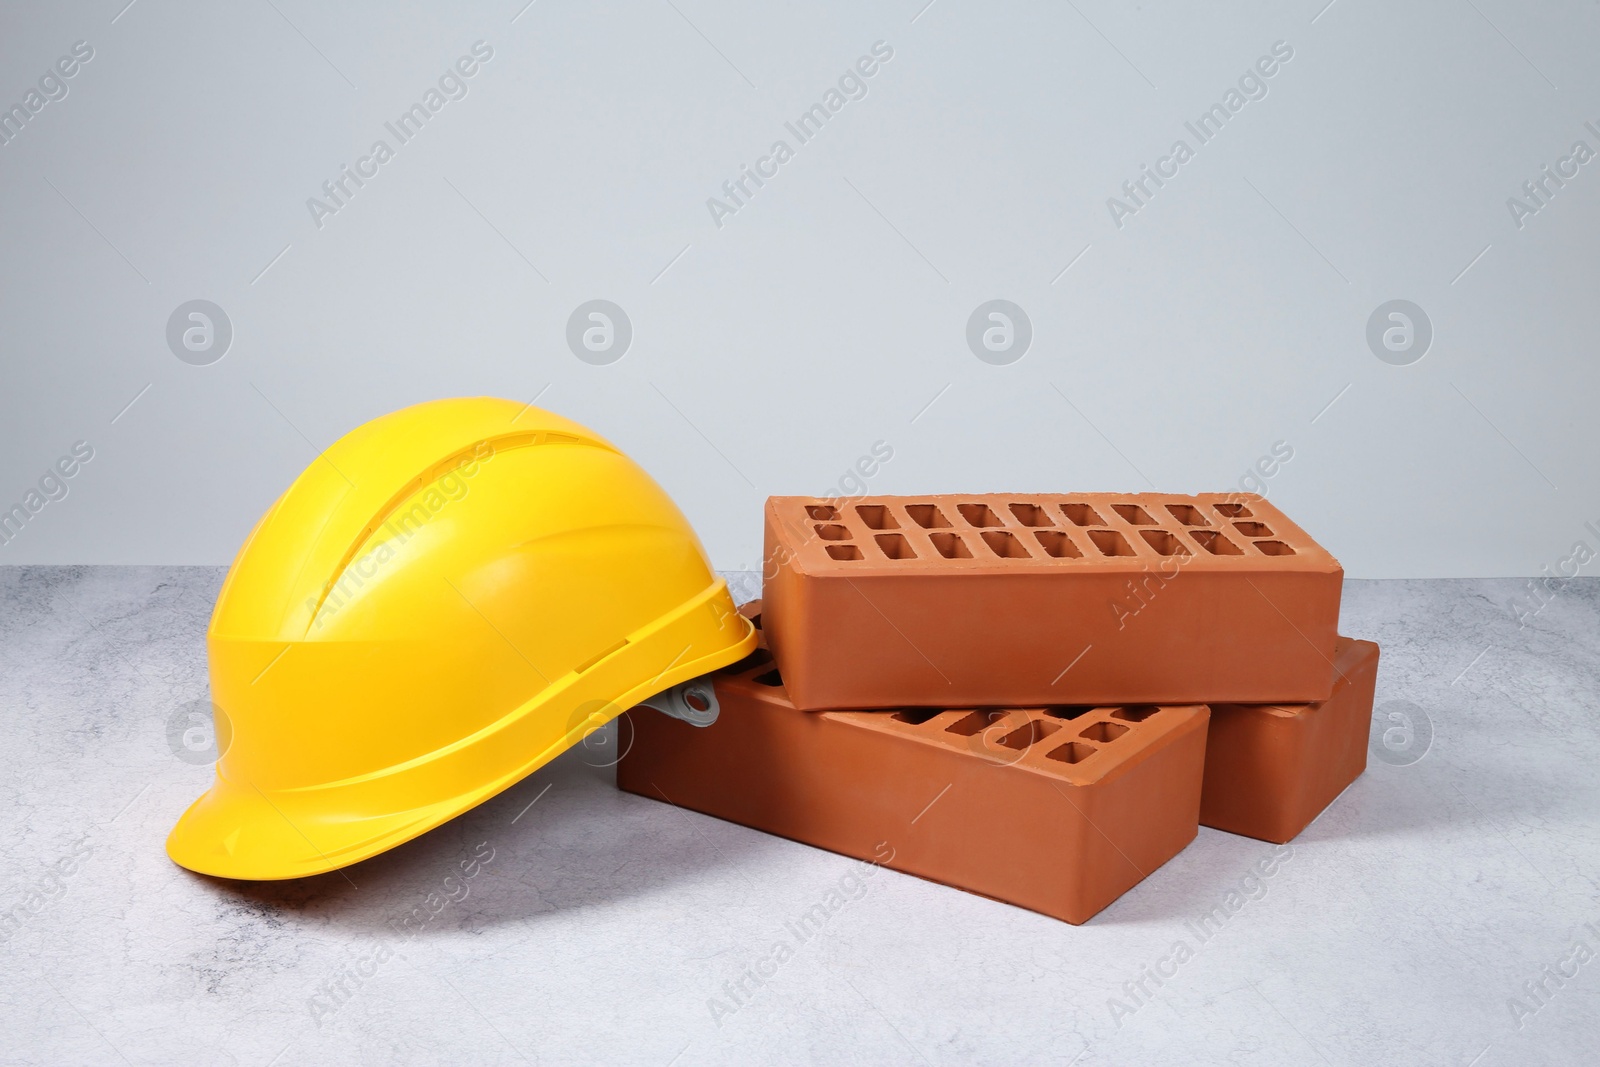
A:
[448,598]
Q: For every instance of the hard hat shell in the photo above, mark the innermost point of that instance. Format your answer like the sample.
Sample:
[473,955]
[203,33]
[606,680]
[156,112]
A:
[445,600]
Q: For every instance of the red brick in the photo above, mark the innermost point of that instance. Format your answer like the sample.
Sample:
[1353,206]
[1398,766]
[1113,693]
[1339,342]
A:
[1271,769]
[996,812]
[1025,600]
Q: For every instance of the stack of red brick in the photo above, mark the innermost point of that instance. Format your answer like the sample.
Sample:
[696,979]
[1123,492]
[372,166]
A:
[1035,698]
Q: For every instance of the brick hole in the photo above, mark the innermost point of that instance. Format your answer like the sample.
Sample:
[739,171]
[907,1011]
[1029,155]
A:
[877,517]
[1102,732]
[1274,548]
[1057,544]
[1110,543]
[895,546]
[833,532]
[1004,544]
[1133,514]
[1135,714]
[1071,752]
[979,515]
[844,552]
[771,678]
[975,723]
[1253,529]
[916,716]
[1234,511]
[822,512]
[927,516]
[950,546]
[1031,515]
[1215,543]
[1188,514]
[1030,733]
[1163,542]
[1082,515]
[1068,711]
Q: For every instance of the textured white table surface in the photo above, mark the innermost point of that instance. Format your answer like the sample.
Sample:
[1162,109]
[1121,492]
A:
[1407,926]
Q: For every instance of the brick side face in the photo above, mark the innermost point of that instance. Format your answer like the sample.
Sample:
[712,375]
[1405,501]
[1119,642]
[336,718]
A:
[1055,809]
[1025,600]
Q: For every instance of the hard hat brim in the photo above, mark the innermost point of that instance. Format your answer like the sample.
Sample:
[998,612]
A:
[235,830]
[239,830]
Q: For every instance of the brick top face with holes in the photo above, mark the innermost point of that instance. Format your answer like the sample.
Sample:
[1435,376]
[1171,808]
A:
[1001,533]
[996,599]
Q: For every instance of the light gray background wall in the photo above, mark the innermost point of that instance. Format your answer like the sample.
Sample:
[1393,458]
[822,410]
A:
[830,312]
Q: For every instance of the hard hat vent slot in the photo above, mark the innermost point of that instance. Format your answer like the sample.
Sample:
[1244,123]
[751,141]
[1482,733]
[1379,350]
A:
[591,661]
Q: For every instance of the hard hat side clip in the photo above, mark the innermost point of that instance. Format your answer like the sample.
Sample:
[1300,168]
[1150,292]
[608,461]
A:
[694,701]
